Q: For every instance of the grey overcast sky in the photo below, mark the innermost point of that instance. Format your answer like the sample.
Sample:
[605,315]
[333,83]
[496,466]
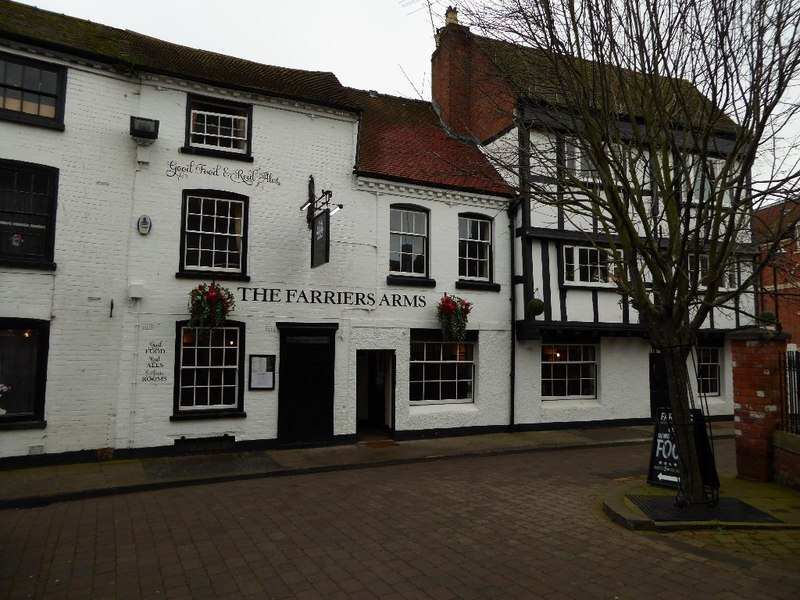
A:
[382,45]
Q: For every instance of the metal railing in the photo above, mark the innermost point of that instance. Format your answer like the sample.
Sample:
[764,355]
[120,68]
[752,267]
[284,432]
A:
[790,397]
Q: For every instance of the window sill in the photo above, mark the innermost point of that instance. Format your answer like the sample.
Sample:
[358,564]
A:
[409,280]
[29,424]
[216,153]
[215,275]
[469,284]
[23,264]
[26,119]
[208,414]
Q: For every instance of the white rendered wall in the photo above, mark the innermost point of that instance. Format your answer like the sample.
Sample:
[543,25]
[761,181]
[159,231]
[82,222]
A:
[91,233]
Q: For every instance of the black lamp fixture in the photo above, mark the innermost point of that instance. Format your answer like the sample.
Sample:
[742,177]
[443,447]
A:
[144,131]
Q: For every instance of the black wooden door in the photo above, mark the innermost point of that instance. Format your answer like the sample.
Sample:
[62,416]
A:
[305,396]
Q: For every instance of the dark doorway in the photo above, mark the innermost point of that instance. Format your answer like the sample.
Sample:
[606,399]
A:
[305,392]
[659,391]
[375,392]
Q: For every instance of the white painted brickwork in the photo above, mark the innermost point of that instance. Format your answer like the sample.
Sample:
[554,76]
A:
[99,392]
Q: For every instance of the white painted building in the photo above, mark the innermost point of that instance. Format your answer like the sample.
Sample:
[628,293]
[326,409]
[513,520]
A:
[108,222]
[133,171]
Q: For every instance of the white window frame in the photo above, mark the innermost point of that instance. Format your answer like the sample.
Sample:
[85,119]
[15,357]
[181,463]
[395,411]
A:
[709,370]
[448,368]
[218,126]
[598,273]
[475,242]
[209,367]
[730,281]
[405,234]
[578,162]
[220,232]
[565,364]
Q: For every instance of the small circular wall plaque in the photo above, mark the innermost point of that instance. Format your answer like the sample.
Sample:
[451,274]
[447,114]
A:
[144,224]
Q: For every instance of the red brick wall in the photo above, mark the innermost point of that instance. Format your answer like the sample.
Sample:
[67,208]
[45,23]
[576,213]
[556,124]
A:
[757,396]
[472,96]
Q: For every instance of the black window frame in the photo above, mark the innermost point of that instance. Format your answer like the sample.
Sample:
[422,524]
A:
[35,418]
[57,120]
[233,108]
[477,283]
[185,271]
[45,260]
[563,370]
[225,412]
[402,277]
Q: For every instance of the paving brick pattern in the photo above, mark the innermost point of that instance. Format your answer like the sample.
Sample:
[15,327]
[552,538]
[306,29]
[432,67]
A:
[511,526]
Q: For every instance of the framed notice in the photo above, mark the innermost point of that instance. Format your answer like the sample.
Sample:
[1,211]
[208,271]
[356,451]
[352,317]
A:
[262,372]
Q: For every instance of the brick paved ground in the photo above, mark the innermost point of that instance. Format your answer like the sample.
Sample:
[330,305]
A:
[513,526]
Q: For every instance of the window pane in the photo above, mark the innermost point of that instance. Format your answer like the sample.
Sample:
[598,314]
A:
[18,369]
[569,370]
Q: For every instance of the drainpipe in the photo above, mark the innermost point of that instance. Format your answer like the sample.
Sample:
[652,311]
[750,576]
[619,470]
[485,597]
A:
[512,214]
[521,201]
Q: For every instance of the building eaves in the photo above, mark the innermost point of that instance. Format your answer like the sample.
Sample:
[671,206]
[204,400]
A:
[134,53]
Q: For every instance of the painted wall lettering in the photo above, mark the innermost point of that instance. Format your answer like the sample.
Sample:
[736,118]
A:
[256,176]
[154,366]
[331,297]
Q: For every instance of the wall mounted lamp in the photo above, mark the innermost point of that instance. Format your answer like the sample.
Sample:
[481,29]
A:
[144,131]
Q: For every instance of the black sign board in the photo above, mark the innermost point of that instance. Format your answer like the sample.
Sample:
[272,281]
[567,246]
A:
[321,238]
[664,462]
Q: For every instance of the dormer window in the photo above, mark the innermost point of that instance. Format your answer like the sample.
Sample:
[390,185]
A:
[218,127]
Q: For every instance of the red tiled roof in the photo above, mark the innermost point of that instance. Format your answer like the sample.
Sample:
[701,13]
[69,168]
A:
[404,140]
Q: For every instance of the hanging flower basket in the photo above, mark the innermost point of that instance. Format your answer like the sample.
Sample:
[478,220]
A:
[452,312]
[209,305]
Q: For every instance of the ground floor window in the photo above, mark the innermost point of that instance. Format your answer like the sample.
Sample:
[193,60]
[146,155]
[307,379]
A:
[569,371]
[708,371]
[442,372]
[23,364]
[209,369]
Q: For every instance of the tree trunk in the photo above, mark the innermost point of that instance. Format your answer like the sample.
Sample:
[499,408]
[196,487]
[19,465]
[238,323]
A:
[675,357]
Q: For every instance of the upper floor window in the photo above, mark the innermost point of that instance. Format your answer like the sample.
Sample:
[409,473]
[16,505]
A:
[728,279]
[586,265]
[408,241]
[214,233]
[474,247]
[577,161]
[32,92]
[27,213]
[218,127]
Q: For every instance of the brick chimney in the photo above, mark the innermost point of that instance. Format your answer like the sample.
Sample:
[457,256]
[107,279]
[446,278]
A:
[472,98]
[451,66]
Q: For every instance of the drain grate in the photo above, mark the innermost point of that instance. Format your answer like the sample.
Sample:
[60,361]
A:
[732,510]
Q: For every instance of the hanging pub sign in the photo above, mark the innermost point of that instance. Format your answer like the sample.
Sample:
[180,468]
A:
[664,462]
[321,238]
[318,214]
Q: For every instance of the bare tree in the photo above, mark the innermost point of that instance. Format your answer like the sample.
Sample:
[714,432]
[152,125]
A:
[669,120]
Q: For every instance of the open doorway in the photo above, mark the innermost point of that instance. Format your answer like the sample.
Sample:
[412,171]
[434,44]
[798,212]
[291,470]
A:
[375,394]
